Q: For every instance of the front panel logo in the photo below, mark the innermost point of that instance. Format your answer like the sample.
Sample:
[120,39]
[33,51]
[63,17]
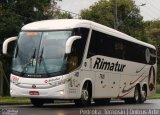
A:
[33,86]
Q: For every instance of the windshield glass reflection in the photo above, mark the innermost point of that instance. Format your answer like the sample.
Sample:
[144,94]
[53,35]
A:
[40,52]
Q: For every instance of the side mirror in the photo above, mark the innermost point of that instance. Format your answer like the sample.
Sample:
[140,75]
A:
[5,44]
[70,42]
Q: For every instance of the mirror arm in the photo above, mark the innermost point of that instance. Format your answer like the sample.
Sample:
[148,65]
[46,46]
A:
[70,42]
[5,44]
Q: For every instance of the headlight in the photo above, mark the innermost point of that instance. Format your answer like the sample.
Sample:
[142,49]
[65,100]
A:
[60,82]
[14,80]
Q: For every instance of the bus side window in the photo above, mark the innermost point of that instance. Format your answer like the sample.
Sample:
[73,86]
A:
[120,50]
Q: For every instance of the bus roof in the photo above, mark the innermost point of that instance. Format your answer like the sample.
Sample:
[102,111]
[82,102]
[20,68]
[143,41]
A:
[62,24]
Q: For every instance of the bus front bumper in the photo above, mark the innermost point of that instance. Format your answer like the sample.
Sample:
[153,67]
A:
[58,92]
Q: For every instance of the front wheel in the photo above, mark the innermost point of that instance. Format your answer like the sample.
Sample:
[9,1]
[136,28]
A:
[85,99]
[37,102]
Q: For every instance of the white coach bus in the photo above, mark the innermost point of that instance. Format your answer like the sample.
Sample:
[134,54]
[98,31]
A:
[80,60]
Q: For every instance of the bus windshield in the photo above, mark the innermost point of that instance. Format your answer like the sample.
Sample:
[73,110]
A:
[40,53]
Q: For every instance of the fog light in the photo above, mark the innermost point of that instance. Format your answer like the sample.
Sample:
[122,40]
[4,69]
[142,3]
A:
[11,91]
[61,92]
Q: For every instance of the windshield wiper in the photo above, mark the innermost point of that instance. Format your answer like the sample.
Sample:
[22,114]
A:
[30,61]
[43,62]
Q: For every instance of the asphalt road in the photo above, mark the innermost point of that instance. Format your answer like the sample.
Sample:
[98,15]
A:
[150,107]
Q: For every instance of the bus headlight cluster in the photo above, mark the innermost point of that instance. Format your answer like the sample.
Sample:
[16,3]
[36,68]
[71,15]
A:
[11,91]
[14,80]
[61,82]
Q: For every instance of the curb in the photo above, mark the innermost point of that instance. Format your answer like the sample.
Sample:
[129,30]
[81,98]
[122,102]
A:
[15,104]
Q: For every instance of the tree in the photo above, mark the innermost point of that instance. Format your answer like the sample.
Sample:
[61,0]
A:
[129,19]
[152,29]
[33,10]
[100,12]
[10,24]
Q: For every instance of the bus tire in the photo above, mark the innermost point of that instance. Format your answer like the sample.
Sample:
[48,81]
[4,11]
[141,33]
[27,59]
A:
[37,102]
[102,101]
[85,99]
[137,95]
[143,94]
[136,98]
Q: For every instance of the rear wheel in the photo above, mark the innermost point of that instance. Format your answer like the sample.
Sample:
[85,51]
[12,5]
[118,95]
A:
[85,99]
[102,101]
[137,95]
[136,98]
[143,94]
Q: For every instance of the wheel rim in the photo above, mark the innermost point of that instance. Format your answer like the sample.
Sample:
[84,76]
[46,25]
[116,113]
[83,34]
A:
[145,95]
[136,95]
[85,94]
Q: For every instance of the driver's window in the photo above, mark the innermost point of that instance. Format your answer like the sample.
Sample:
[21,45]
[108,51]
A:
[78,48]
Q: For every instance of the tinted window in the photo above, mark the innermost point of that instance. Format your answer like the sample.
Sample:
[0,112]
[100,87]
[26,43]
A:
[101,44]
[107,45]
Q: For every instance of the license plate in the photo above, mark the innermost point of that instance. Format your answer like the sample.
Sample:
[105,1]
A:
[33,93]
